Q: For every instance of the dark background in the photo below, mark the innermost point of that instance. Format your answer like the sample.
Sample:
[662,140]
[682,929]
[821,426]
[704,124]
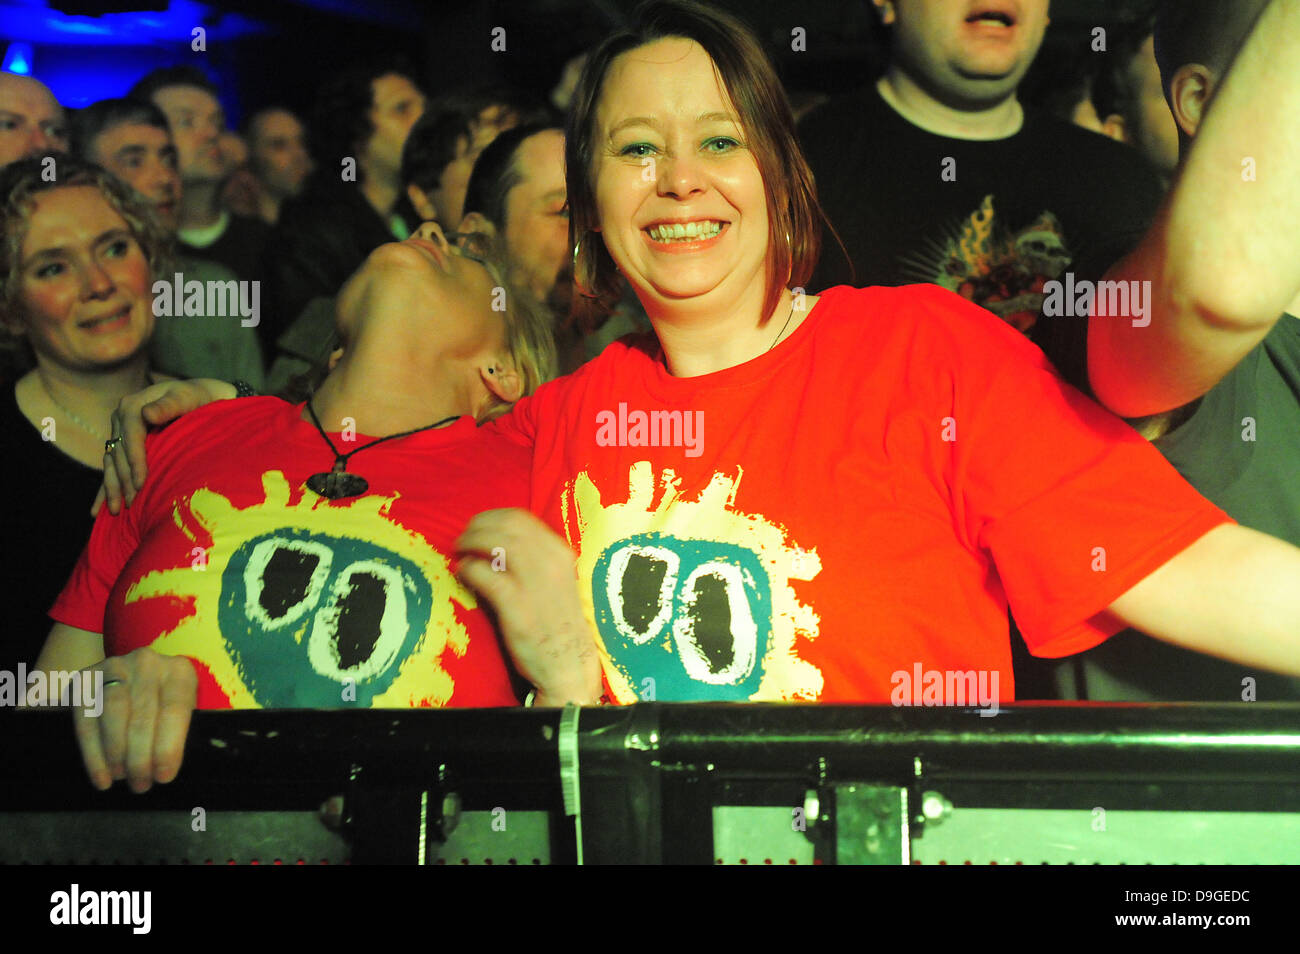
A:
[277,51]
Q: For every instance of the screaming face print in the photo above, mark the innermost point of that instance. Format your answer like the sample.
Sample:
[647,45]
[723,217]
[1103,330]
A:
[314,604]
[691,598]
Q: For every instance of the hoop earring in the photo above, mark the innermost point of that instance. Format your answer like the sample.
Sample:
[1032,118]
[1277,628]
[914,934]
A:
[577,283]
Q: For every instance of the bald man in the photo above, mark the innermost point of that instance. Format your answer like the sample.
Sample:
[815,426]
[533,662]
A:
[31,120]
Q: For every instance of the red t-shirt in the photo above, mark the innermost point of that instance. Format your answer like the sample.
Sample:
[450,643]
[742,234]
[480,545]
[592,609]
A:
[285,599]
[860,502]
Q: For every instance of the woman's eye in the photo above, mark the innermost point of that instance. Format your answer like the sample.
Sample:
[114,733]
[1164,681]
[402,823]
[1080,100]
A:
[721,144]
[119,248]
[50,270]
[637,150]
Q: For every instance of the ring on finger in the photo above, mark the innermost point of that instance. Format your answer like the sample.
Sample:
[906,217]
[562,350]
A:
[112,444]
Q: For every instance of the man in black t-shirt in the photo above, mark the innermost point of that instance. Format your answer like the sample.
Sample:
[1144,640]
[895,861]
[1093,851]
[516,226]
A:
[936,174]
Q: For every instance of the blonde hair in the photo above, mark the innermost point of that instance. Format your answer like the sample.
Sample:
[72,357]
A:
[530,327]
[530,336]
[20,183]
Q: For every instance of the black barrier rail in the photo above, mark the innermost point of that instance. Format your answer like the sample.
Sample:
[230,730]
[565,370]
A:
[659,783]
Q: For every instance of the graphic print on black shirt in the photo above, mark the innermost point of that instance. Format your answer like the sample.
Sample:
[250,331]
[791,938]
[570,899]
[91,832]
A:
[982,260]
[991,220]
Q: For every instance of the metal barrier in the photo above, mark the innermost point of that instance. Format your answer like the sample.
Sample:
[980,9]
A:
[681,783]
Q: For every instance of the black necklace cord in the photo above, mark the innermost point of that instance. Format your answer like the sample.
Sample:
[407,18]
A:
[341,460]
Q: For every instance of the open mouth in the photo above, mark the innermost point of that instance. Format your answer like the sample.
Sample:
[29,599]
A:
[695,231]
[993,18]
[107,321]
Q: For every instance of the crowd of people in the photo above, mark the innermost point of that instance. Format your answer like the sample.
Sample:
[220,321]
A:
[823,416]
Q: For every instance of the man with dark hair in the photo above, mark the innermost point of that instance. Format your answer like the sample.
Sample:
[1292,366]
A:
[436,164]
[131,139]
[354,202]
[937,174]
[31,120]
[1129,98]
[278,159]
[445,144]
[207,230]
[517,192]
[1213,378]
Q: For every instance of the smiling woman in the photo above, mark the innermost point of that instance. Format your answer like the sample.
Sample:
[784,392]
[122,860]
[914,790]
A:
[723,128]
[851,500]
[76,266]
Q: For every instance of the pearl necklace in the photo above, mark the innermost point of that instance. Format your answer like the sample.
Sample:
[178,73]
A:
[71,416]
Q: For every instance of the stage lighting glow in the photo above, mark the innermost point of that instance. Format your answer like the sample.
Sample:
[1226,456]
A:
[18,59]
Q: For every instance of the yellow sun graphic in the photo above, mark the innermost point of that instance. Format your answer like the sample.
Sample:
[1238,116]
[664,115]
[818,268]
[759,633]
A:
[229,631]
[748,561]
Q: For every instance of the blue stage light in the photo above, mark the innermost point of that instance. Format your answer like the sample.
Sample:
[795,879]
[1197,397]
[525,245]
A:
[18,59]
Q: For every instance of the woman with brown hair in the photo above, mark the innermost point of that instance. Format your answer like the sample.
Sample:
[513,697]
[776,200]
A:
[787,497]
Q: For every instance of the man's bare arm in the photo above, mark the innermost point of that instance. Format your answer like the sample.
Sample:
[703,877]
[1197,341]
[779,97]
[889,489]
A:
[1223,256]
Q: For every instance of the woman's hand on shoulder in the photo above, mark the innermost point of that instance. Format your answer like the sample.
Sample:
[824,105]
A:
[158,404]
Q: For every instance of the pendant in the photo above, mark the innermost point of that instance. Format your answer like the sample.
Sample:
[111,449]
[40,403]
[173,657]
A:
[337,484]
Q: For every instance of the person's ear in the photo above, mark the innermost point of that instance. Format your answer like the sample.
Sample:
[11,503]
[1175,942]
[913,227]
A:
[1189,95]
[477,222]
[502,380]
[1115,127]
[335,357]
[885,8]
[420,201]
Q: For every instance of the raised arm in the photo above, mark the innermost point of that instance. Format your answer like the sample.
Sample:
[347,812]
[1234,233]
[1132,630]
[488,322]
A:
[1223,256]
